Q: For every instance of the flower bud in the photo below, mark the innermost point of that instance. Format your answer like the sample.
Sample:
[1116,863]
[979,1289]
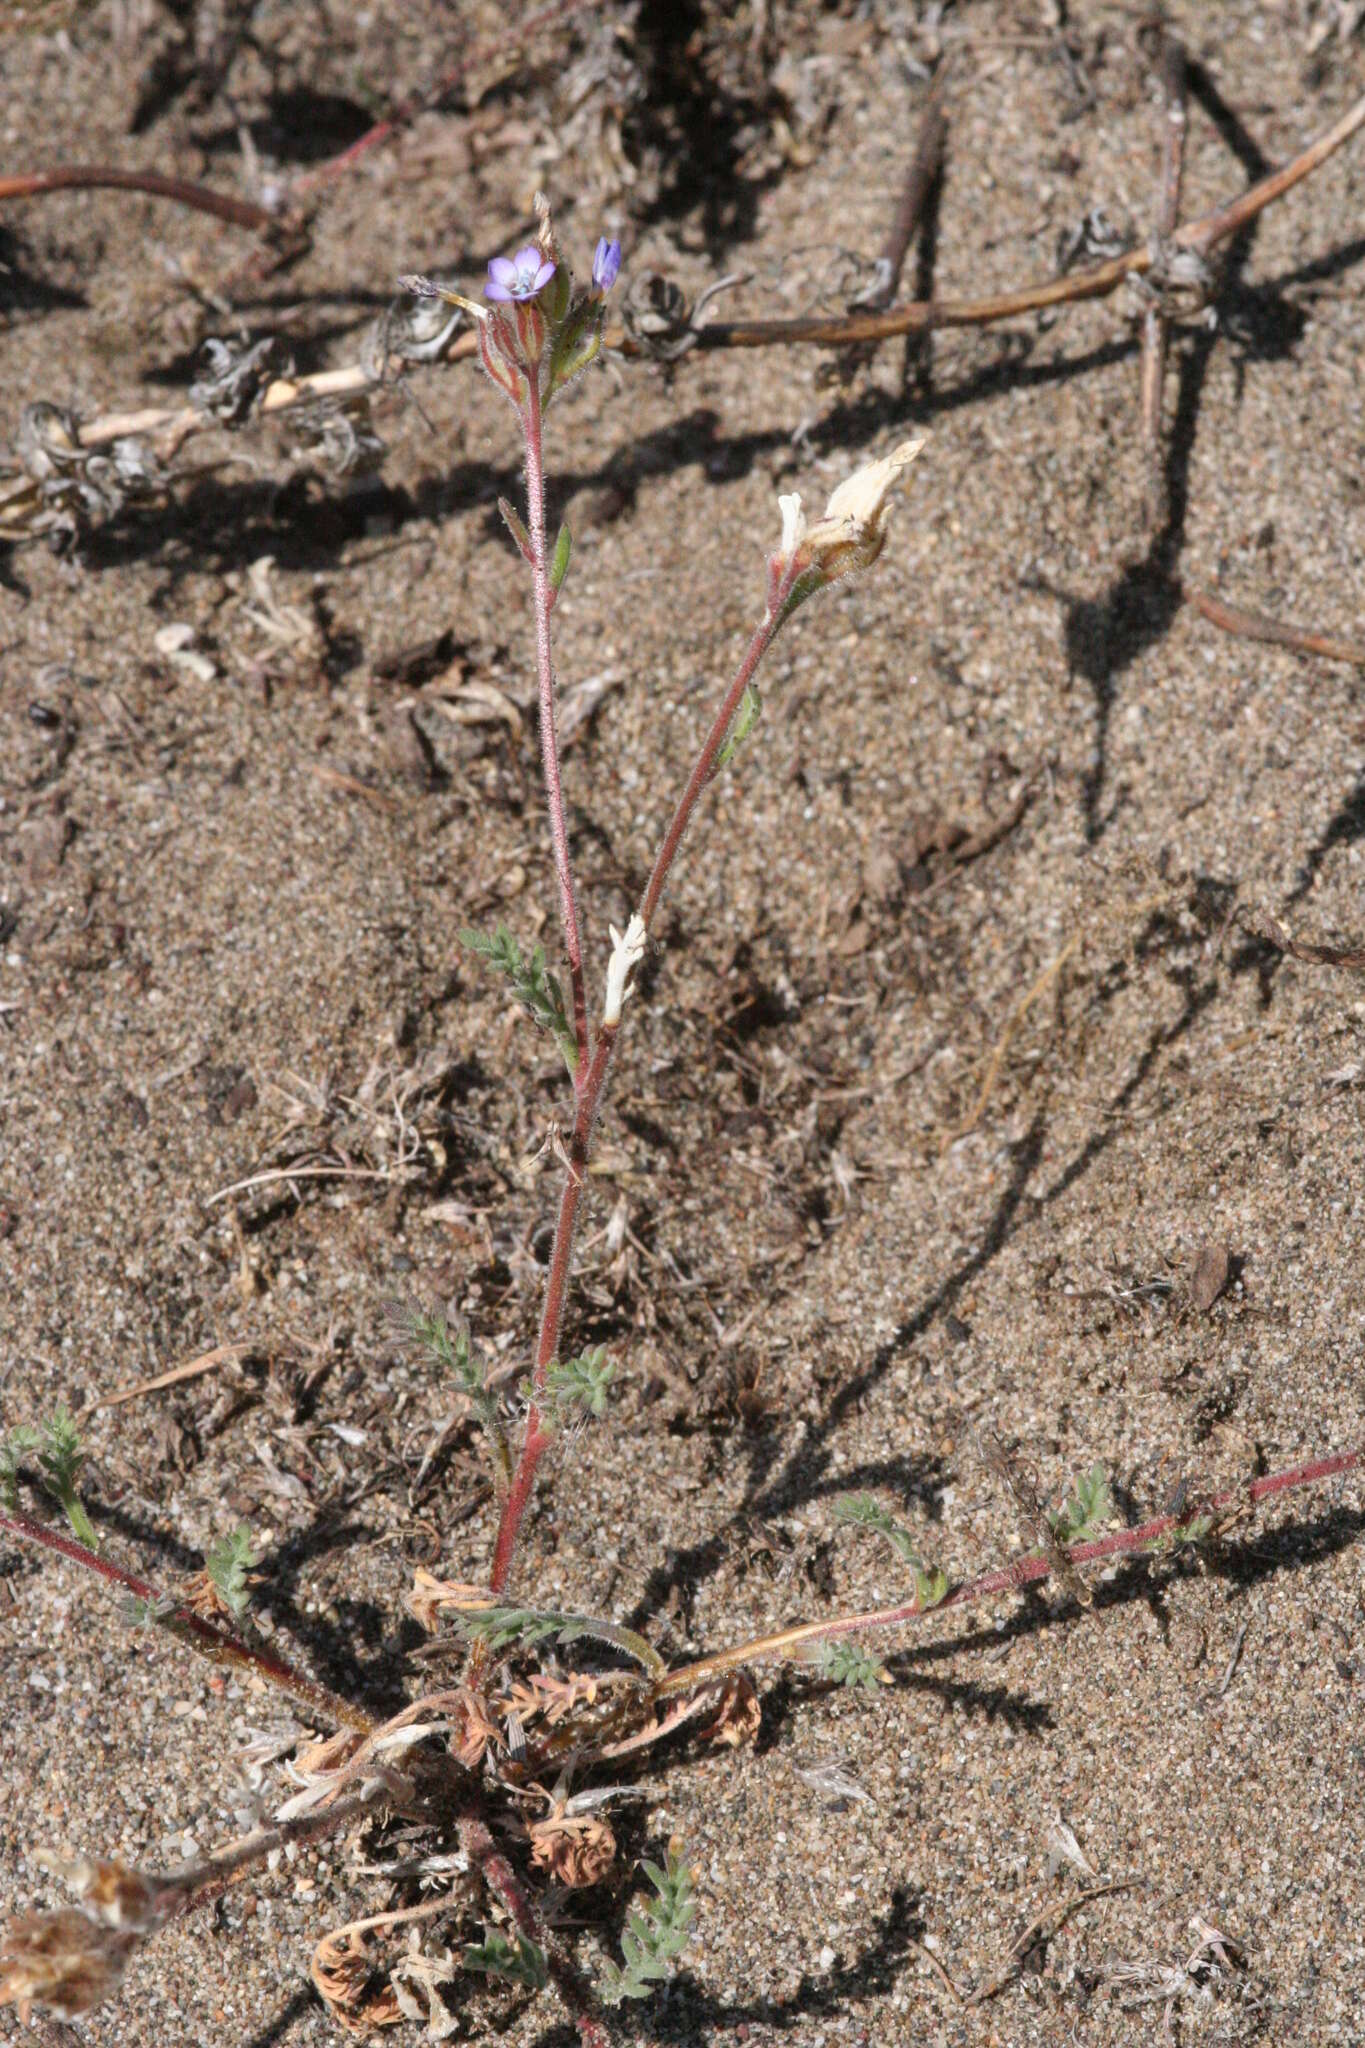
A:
[852,532]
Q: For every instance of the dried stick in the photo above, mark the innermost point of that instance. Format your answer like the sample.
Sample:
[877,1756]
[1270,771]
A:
[1156,324]
[219,1645]
[1253,626]
[1042,1928]
[1189,1525]
[1201,235]
[1312,952]
[925,165]
[520,32]
[242,213]
[172,425]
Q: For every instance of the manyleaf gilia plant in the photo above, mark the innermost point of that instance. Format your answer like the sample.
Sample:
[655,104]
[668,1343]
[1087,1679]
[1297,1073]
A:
[499,1778]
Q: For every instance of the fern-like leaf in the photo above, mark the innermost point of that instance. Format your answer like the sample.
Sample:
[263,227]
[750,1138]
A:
[655,1935]
[846,1664]
[1087,1511]
[227,1565]
[512,1962]
[535,988]
[865,1511]
[500,1625]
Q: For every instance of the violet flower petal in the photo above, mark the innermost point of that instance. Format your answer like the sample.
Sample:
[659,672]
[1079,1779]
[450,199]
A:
[606,264]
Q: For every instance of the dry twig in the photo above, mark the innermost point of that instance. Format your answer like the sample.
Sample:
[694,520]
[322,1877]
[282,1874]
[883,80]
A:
[1253,626]
[1156,322]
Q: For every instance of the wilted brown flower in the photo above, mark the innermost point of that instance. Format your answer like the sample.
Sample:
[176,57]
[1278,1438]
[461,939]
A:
[341,1969]
[852,532]
[112,1890]
[471,1730]
[431,1596]
[577,1849]
[738,1714]
[544,1697]
[63,1961]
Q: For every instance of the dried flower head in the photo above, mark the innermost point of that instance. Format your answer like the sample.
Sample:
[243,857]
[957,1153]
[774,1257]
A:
[738,1714]
[342,1969]
[852,532]
[64,1961]
[111,1889]
[578,1849]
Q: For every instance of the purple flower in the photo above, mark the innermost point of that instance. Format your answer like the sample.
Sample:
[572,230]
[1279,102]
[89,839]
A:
[520,276]
[605,264]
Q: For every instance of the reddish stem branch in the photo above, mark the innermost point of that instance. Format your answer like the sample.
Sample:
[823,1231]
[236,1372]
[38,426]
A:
[1025,1571]
[589,1085]
[537,1438]
[1254,626]
[549,740]
[1097,282]
[218,1644]
[706,761]
[242,213]
[498,1874]
[1156,325]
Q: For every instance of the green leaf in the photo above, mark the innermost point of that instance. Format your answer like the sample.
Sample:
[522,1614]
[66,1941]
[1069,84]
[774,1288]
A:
[581,1382]
[140,1613]
[514,1962]
[745,719]
[846,1664]
[865,1511]
[227,1565]
[61,1457]
[559,561]
[448,1350]
[15,1448]
[534,987]
[655,1935]
[499,1624]
[1089,1508]
[516,527]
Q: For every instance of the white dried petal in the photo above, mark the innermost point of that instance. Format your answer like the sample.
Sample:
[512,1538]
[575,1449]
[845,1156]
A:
[628,950]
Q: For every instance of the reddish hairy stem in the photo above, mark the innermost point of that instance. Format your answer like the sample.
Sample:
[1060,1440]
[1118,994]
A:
[549,742]
[1024,1572]
[589,1084]
[242,213]
[537,1439]
[219,1645]
[715,740]
[499,1876]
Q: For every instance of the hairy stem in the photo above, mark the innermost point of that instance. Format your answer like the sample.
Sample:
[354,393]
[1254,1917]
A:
[210,1640]
[549,742]
[1024,1572]
[498,1874]
[705,768]
[589,1084]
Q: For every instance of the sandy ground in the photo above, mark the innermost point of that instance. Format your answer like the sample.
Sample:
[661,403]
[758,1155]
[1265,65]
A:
[230,904]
